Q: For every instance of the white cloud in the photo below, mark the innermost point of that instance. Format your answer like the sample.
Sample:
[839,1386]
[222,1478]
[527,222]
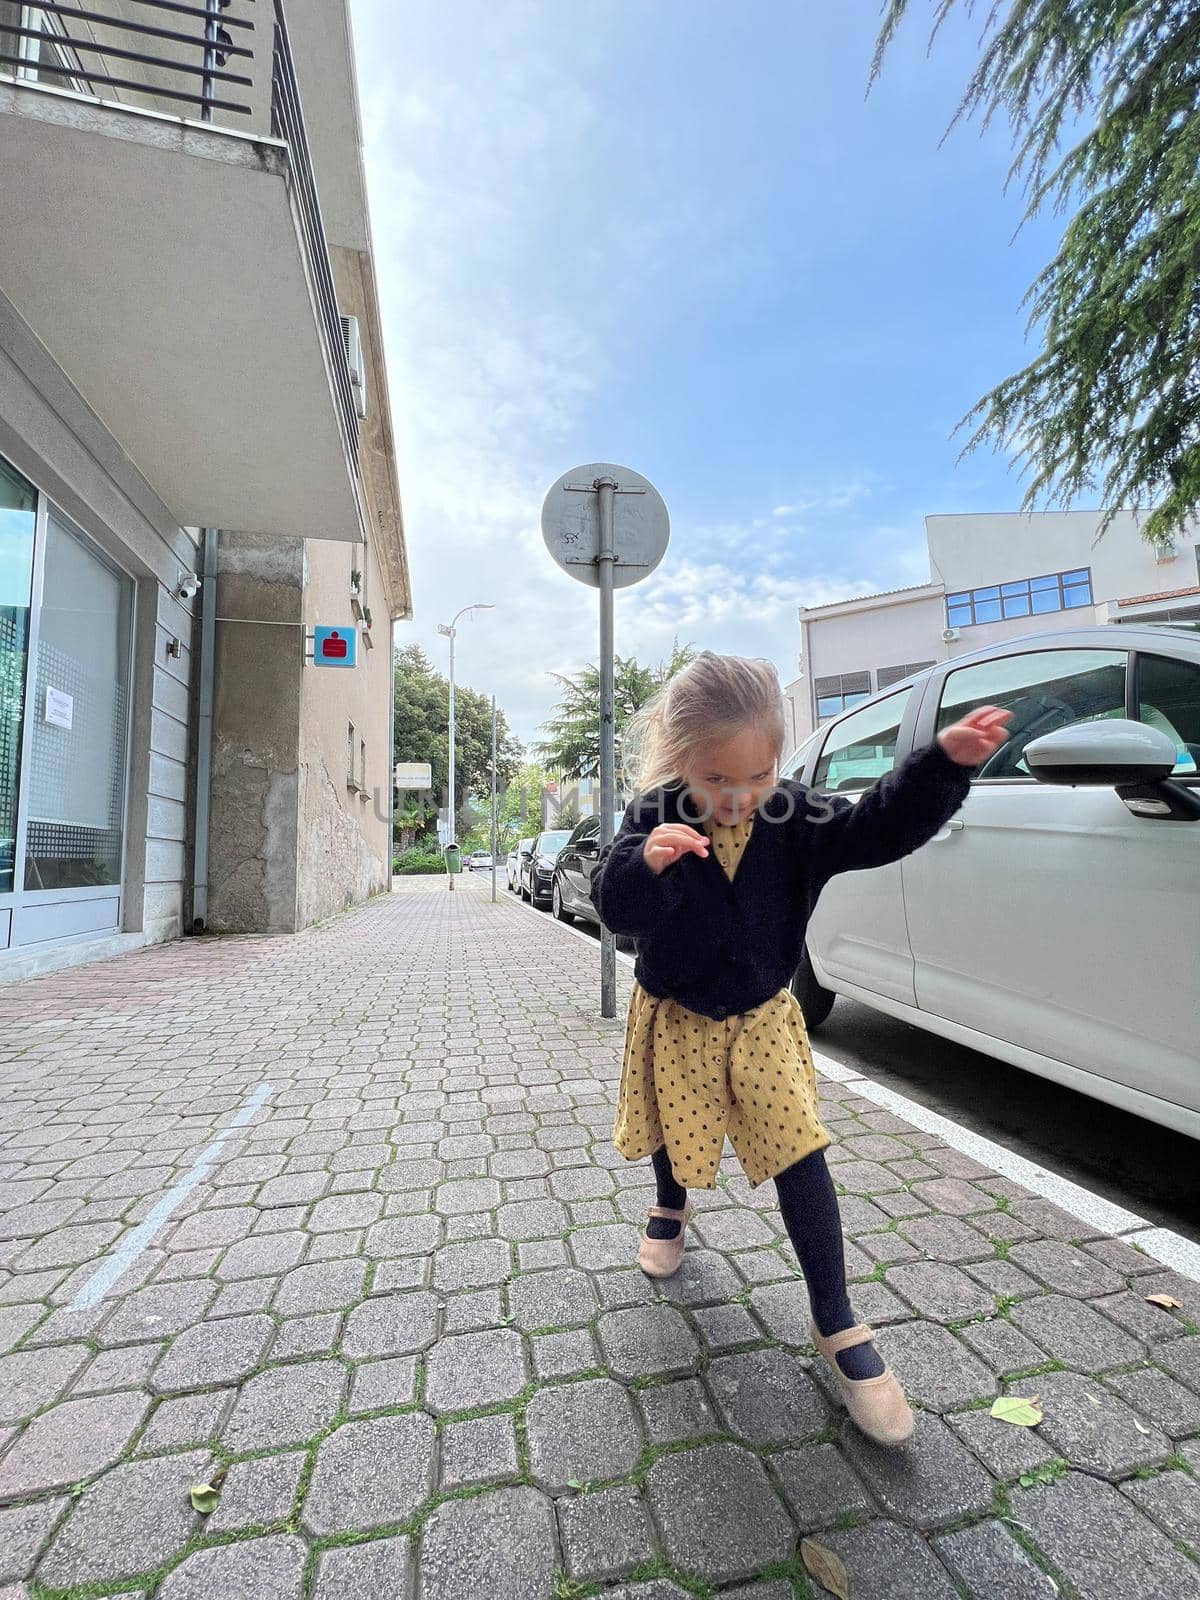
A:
[500,337]
[835,497]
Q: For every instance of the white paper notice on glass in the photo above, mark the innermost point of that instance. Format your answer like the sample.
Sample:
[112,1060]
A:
[60,708]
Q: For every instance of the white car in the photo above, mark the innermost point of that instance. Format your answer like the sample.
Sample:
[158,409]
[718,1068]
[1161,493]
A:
[1055,921]
[514,862]
[479,861]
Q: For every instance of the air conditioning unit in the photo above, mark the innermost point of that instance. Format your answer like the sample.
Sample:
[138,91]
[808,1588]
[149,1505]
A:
[352,344]
[950,634]
[1166,552]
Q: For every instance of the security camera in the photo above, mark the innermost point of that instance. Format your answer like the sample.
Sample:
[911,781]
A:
[188,586]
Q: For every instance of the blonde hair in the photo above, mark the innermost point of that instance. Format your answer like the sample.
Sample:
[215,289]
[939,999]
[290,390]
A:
[712,698]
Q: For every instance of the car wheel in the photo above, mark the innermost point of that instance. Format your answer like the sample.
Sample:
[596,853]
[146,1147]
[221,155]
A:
[525,894]
[816,1002]
[556,905]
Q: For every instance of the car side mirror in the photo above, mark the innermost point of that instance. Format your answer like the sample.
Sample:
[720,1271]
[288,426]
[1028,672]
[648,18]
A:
[525,854]
[1135,760]
[588,847]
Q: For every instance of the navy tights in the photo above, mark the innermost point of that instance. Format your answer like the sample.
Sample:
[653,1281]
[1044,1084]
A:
[808,1203]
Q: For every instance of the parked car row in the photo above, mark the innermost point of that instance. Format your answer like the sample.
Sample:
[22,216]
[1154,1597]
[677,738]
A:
[530,870]
[552,869]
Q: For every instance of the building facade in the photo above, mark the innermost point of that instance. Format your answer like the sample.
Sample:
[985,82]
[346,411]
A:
[994,576]
[196,472]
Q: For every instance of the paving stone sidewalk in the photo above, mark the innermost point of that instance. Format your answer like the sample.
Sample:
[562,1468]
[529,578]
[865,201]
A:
[400,1310]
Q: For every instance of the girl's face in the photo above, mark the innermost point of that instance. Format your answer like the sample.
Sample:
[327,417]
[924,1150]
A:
[726,779]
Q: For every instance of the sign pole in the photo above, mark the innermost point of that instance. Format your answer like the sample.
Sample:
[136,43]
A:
[605,556]
[608,527]
[451,826]
[494,840]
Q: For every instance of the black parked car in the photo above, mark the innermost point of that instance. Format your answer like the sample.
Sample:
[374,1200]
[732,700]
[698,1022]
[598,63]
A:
[537,868]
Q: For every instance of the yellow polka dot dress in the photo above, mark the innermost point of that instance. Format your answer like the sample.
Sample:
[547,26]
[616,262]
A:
[689,1081]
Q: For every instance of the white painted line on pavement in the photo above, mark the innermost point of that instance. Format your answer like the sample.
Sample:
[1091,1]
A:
[1090,1208]
[829,1068]
[136,1240]
[1172,1249]
[1161,1244]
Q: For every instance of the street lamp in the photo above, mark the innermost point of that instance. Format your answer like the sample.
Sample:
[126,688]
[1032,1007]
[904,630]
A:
[451,634]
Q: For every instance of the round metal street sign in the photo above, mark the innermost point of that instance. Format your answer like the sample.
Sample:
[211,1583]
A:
[571,524]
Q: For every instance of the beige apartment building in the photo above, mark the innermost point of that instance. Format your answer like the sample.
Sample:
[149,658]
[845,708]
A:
[993,576]
[197,476]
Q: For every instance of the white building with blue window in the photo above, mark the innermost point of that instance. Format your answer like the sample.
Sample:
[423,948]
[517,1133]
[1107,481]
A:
[993,576]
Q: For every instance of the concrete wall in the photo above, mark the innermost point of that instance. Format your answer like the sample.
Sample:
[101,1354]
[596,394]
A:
[50,435]
[975,551]
[345,836]
[890,631]
[256,734]
[970,552]
[291,841]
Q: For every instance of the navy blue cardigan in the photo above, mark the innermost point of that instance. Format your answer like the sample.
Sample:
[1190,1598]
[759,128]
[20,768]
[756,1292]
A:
[721,948]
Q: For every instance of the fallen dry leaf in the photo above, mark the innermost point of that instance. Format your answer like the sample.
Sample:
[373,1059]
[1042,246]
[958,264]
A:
[1167,1301]
[1022,1413]
[1092,1399]
[1140,1426]
[825,1567]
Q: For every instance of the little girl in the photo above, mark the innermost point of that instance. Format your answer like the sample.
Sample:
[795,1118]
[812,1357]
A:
[714,873]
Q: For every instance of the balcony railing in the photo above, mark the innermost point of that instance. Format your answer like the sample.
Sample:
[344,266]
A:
[287,123]
[174,56]
[183,52]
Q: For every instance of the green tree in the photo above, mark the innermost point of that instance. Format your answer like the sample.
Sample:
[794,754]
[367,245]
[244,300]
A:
[521,805]
[1104,101]
[571,747]
[422,733]
[410,821]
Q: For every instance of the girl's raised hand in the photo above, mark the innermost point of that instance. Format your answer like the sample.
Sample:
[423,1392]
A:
[669,841]
[977,736]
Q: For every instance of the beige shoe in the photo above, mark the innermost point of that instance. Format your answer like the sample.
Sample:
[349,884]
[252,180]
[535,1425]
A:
[662,1258]
[876,1405]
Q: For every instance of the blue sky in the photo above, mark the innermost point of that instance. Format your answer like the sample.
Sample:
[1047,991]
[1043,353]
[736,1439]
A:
[675,234]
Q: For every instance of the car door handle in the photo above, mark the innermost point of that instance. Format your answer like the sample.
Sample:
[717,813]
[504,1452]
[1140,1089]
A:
[953,826]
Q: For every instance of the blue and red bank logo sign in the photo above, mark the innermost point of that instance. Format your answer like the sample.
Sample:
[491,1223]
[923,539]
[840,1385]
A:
[335,647]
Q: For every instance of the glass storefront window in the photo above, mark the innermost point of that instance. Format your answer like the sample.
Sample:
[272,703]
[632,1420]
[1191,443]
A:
[80,714]
[18,520]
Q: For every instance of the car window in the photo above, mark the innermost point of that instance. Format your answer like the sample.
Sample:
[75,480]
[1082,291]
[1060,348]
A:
[585,830]
[1169,698]
[549,844]
[1044,689]
[793,766]
[862,747]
